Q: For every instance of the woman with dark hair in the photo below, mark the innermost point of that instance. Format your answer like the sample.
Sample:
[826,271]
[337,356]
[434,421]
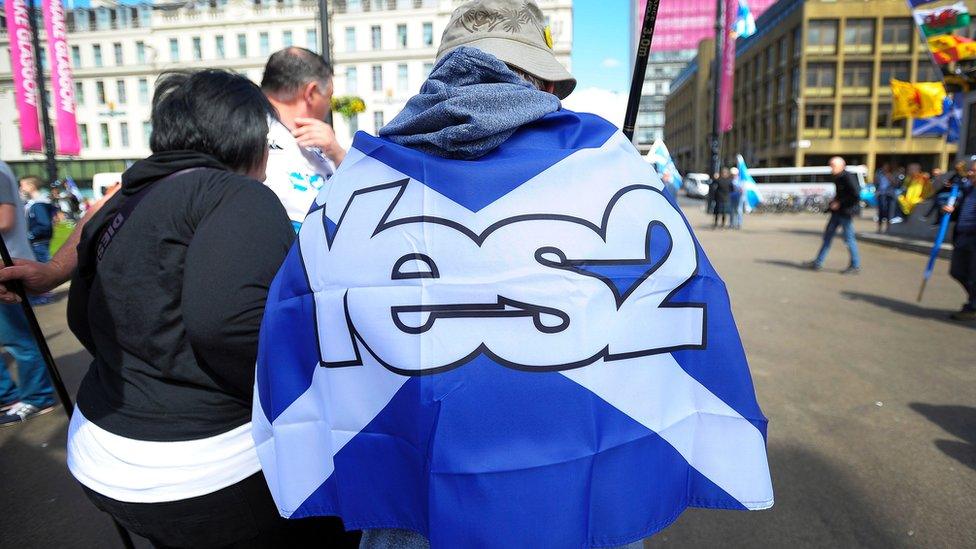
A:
[173,275]
[723,191]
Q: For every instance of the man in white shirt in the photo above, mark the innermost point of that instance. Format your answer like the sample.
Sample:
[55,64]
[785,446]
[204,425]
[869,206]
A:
[303,151]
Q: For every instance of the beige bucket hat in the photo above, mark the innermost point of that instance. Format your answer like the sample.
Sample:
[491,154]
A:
[513,31]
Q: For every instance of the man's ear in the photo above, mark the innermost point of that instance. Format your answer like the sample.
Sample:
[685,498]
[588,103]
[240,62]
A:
[309,91]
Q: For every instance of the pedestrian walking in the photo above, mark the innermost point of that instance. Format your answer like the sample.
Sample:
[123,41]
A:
[33,393]
[847,196]
[737,200]
[302,149]
[963,263]
[723,192]
[40,217]
[886,189]
[173,273]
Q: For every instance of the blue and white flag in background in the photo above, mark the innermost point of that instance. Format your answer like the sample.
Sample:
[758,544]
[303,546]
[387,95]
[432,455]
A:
[947,123]
[660,158]
[529,349]
[753,196]
[745,23]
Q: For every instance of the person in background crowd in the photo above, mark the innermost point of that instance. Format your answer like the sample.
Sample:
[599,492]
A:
[33,393]
[40,217]
[303,151]
[885,182]
[723,189]
[942,188]
[737,201]
[963,263]
[161,436]
[918,187]
[847,197]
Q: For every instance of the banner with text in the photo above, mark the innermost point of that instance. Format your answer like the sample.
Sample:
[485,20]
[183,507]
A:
[62,82]
[24,69]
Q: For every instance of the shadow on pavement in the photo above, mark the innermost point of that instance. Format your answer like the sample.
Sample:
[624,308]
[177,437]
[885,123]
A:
[818,504]
[907,308]
[783,263]
[959,421]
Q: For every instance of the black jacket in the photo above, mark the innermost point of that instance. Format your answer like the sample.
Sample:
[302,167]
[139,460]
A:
[847,193]
[171,312]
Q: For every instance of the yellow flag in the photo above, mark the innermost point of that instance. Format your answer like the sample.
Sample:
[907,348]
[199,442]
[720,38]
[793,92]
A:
[921,100]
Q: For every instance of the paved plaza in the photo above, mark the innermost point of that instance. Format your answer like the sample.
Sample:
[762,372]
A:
[871,399]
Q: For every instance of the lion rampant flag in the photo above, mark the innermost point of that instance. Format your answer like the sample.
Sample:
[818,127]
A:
[916,100]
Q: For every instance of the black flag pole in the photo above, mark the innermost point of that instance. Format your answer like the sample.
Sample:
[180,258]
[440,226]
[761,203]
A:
[640,66]
[52,367]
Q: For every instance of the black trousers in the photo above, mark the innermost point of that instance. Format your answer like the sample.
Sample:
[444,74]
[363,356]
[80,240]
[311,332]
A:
[963,269]
[242,515]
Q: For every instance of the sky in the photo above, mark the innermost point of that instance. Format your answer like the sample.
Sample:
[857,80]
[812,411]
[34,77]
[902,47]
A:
[601,49]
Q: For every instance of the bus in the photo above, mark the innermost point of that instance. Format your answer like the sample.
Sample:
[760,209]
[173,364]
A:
[802,182]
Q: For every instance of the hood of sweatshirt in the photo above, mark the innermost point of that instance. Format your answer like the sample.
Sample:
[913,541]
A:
[470,104]
[149,170]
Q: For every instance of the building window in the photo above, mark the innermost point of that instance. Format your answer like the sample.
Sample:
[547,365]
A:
[377,78]
[106,138]
[143,91]
[219,47]
[795,82]
[197,49]
[83,132]
[117,50]
[242,46]
[427,68]
[784,52]
[854,121]
[141,52]
[928,71]
[797,42]
[819,121]
[79,93]
[896,35]
[821,79]
[353,6]
[376,38]
[353,125]
[857,79]
[428,34]
[97,54]
[286,39]
[402,36]
[377,121]
[403,83]
[174,49]
[76,56]
[897,70]
[100,92]
[312,39]
[781,89]
[124,133]
[350,39]
[146,132]
[885,126]
[859,36]
[264,44]
[352,80]
[822,37]
[120,91]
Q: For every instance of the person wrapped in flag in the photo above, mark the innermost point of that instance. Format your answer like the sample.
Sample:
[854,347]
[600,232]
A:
[496,330]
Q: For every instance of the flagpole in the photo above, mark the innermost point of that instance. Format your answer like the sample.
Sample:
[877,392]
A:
[49,153]
[939,239]
[51,366]
[716,137]
[640,66]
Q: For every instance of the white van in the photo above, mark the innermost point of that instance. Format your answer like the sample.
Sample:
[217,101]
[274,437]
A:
[808,181]
[103,181]
[696,185]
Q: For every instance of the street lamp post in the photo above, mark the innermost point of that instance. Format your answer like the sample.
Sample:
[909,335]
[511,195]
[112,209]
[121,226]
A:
[326,46]
[716,135]
[52,165]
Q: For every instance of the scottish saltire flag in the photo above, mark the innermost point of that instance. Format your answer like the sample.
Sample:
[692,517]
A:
[660,157]
[946,124]
[753,196]
[529,349]
[745,23]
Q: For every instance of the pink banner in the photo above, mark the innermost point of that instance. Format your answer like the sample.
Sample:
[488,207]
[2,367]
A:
[24,70]
[62,83]
[725,114]
[682,24]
